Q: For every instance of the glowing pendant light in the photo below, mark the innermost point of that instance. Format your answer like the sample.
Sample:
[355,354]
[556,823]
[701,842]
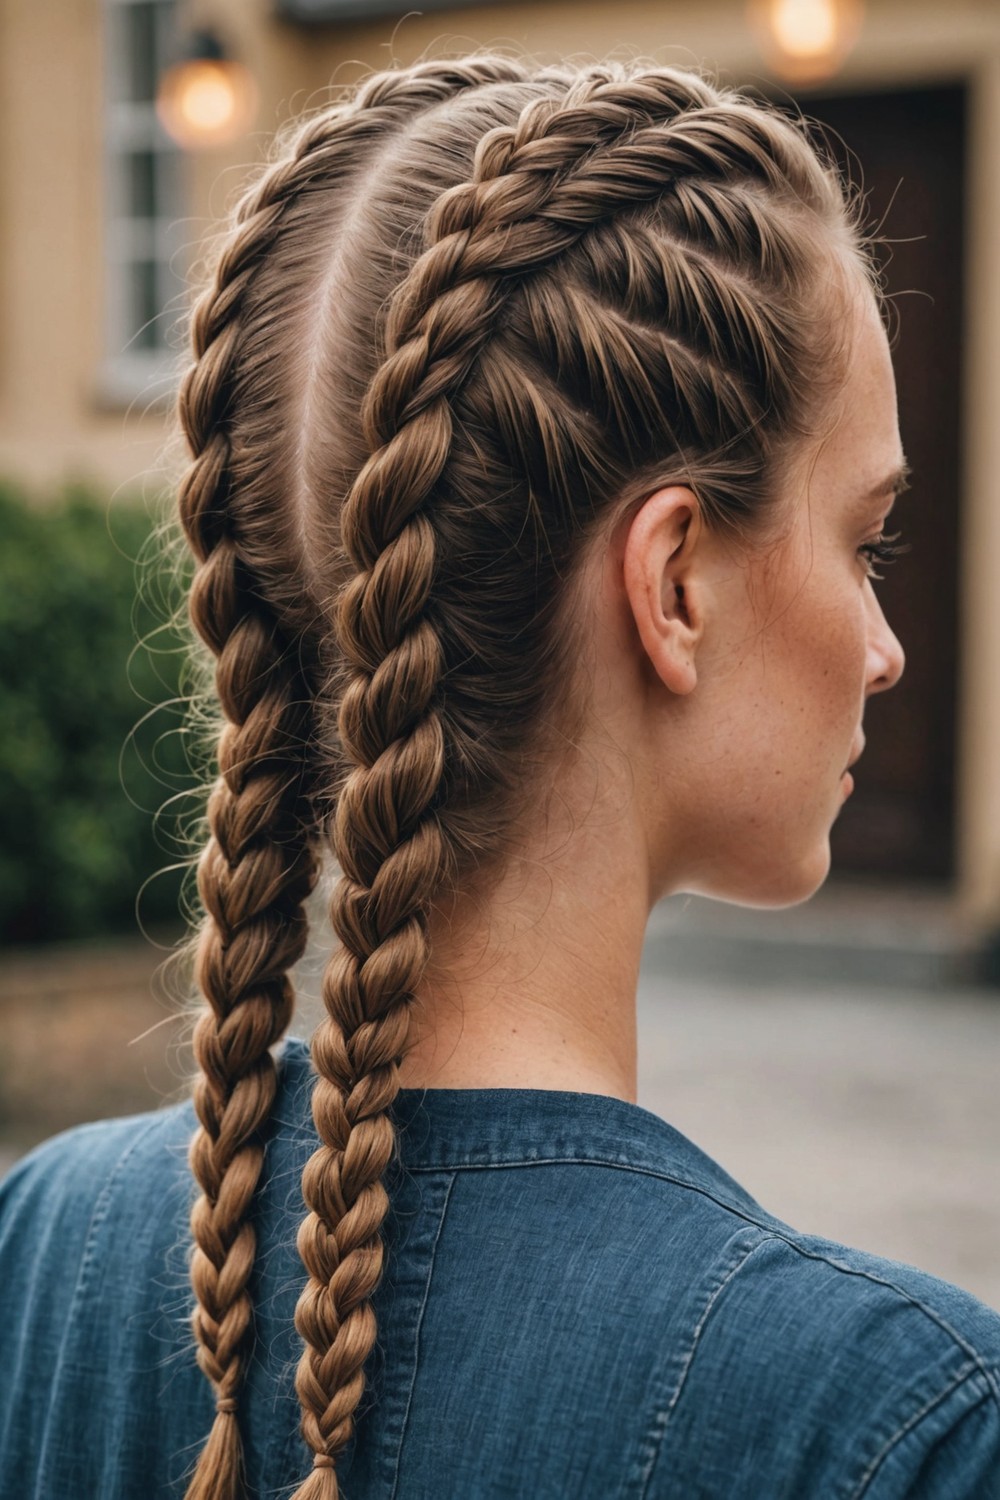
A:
[206,99]
[805,41]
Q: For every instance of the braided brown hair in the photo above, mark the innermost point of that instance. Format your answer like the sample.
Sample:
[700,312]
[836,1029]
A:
[462,322]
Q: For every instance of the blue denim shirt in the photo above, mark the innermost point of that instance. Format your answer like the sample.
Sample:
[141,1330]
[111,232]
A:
[577,1304]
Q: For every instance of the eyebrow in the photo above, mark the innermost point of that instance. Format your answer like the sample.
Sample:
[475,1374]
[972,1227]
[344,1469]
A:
[893,484]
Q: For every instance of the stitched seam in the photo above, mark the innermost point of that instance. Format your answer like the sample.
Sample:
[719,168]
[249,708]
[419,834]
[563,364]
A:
[662,1420]
[774,1231]
[595,1161]
[935,1317]
[963,1375]
[420,1321]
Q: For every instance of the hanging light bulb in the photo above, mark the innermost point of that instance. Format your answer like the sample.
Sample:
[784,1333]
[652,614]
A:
[207,98]
[805,41]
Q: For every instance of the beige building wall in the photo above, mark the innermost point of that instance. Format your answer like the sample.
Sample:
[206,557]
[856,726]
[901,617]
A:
[57,418]
[52,419]
[55,421]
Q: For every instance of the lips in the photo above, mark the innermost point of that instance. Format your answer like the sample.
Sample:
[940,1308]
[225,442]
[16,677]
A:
[855,757]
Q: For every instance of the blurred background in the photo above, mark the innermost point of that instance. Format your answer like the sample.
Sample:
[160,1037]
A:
[840,1058]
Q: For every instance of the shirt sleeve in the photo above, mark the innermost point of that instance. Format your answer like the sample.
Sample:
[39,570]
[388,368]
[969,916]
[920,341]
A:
[950,1450]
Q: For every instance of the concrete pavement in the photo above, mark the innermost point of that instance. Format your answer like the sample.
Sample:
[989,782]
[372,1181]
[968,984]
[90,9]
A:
[863,1104]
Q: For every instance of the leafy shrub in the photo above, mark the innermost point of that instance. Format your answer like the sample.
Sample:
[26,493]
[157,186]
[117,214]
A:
[84,654]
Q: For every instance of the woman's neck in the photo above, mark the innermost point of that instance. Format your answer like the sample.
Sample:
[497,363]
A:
[536,987]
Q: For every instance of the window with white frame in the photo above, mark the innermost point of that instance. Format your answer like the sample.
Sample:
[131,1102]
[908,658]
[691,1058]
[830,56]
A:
[145,249]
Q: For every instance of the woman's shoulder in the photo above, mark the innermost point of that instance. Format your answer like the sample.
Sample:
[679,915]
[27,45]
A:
[141,1157]
[65,1177]
[782,1315]
[604,1228]
[789,1352]
[825,1273]
[95,1289]
[133,1166]
[129,1171]
[783,1351]
[877,1378]
[121,1189]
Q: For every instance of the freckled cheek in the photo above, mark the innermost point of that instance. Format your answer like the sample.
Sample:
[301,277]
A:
[827,657]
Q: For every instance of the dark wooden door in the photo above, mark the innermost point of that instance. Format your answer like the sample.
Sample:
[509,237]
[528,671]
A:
[908,150]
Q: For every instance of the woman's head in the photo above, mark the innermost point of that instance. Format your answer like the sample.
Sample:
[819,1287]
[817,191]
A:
[741,672]
[506,387]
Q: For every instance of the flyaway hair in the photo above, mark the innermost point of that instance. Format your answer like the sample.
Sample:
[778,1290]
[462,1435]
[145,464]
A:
[457,326]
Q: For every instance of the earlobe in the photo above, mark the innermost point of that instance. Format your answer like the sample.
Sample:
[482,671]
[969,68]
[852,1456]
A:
[660,582]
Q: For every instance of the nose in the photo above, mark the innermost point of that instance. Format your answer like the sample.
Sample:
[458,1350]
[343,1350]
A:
[886,658]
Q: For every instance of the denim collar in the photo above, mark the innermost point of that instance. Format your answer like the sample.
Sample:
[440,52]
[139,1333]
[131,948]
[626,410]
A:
[452,1129]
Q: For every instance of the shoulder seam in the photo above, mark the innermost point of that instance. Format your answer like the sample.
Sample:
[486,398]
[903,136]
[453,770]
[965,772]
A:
[935,1317]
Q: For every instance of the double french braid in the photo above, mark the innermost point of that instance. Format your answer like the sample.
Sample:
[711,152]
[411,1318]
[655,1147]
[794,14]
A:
[455,331]
[259,863]
[615,290]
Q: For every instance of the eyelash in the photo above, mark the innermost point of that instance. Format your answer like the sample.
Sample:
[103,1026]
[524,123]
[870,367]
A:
[883,550]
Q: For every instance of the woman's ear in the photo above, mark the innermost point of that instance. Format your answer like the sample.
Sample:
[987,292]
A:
[661,583]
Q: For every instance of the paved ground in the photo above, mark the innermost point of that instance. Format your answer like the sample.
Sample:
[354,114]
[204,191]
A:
[833,1059]
[872,1117]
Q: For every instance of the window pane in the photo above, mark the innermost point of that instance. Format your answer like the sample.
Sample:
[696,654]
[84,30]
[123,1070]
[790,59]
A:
[144,332]
[140,184]
[144,200]
[139,50]
[168,183]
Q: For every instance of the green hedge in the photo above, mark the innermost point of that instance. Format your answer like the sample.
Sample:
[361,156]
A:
[84,654]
